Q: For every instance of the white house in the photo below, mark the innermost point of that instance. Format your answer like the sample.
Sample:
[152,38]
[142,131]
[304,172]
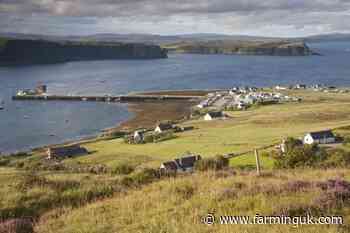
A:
[320,137]
[138,136]
[213,115]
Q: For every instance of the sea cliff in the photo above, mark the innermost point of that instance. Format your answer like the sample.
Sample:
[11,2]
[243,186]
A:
[24,52]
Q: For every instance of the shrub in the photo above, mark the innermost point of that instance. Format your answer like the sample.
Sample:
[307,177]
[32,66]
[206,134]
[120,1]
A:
[148,138]
[217,163]
[123,169]
[20,225]
[159,137]
[336,194]
[346,140]
[4,162]
[301,156]
[186,190]
[145,176]
[337,158]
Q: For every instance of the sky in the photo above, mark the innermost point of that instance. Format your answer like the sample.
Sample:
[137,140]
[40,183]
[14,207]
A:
[279,18]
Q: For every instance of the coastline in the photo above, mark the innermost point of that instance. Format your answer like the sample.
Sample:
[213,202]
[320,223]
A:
[145,115]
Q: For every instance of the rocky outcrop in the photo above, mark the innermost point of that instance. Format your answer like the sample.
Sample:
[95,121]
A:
[22,52]
[281,48]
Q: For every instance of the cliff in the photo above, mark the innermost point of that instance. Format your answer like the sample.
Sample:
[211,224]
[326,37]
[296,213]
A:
[23,52]
[275,48]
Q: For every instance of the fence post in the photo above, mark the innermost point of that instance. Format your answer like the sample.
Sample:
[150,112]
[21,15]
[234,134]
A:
[257,160]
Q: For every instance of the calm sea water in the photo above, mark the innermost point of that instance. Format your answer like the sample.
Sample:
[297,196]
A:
[29,124]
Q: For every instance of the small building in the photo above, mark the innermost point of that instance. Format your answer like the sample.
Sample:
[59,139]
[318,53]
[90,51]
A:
[242,105]
[300,86]
[41,89]
[214,115]
[163,127]
[138,136]
[183,164]
[65,151]
[25,92]
[320,137]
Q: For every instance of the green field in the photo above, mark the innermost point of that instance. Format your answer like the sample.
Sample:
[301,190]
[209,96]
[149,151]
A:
[245,131]
[72,201]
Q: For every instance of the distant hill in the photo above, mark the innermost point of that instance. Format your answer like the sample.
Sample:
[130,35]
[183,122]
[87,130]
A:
[143,38]
[266,48]
[329,37]
[167,39]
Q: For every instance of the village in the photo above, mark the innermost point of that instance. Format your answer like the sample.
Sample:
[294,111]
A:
[213,107]
[242,98]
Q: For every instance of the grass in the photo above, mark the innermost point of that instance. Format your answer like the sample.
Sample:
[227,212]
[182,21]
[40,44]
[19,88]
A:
[177,205]
[244,131]
[65,201]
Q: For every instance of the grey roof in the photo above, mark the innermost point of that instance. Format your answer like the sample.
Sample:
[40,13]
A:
[182,163]
[187,162]
[322,134]
[68,150]
[215,114]
[165,126]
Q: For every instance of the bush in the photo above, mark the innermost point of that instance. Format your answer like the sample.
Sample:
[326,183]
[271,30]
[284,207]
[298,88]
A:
[163,136]
[216,163]
[4,162]
[186,191]
[346,140]
[301,156]
[337,158]
[298,155]
[145,176]
[148,138]
[123,169]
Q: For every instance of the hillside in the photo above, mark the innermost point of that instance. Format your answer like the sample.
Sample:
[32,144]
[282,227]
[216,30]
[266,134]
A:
[114,188]
[25,51]
[274,48]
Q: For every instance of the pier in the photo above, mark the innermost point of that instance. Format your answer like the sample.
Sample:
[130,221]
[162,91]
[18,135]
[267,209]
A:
[119,98]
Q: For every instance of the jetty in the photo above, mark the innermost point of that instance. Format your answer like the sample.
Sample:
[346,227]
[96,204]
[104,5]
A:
[107,98]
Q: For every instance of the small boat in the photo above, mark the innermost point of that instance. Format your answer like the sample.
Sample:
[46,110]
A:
[26,117]
[2,105]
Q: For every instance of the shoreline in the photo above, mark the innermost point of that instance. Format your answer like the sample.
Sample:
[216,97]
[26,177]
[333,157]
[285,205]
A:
[145,115]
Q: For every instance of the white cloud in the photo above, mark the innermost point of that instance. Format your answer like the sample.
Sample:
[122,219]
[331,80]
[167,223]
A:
[253,17]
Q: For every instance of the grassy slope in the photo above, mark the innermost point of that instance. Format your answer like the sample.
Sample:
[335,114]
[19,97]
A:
[176,205]
[146,210]
[244,131]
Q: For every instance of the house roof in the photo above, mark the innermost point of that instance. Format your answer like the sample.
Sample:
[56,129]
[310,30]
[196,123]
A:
[215,114]
[67,150]
[322,134]
[165,126]
[183,163]
[187,162]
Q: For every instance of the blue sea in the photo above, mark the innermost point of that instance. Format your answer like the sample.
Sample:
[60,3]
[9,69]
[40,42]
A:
[24,125]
